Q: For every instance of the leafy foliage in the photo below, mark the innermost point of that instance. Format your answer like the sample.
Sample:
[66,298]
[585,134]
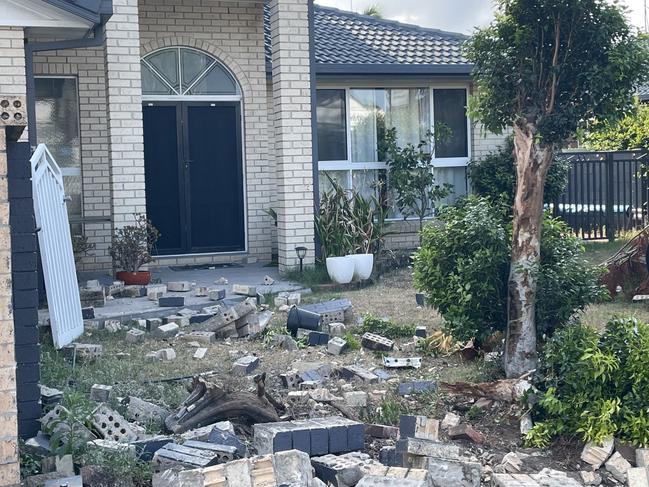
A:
[631,132]
[349,223]
[594,386]
[494,176]
[411,175]
[555,65]
[67,431]
[386,328]
[132,245]
[462,267]
[464,262]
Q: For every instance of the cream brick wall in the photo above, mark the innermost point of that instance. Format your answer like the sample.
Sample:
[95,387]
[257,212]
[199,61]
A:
[289,25]
[89,67]
[12,83]
[233,33]
[124,111]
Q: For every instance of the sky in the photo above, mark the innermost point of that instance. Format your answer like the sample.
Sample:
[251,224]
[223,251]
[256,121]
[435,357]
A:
[456,15]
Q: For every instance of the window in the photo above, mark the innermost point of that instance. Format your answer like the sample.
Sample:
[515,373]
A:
[332,125]
[185,71]
[57,125]
[352,123]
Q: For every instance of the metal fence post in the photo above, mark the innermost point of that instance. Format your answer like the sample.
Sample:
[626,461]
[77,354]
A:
[610,197]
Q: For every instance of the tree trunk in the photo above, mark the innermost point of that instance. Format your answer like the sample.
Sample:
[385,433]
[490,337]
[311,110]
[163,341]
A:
[532,163]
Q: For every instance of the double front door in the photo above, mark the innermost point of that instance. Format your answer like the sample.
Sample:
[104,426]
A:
[194,176]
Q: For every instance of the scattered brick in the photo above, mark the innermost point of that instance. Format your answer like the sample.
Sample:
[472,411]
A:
[100,392]
[465,432]
[171,301]
[179,287]
[245,365]
[376,342]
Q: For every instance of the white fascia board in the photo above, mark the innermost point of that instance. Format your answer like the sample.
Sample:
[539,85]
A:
[36,13]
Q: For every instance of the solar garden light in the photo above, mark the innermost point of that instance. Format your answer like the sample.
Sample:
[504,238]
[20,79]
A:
[301,254]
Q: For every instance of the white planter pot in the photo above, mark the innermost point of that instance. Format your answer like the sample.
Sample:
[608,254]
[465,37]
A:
[340,269]
[363,265]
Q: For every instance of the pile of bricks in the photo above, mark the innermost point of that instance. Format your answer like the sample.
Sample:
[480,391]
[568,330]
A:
[312,436]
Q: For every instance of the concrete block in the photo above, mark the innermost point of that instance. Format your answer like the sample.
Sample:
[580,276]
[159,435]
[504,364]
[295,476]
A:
[143,411]
[146,447]
[595,455]
[171,301]
[200,353]
[642,457]
[618,466]
[179,287]
[415,387]
[450,420]
[349,372]
[88,313]
[294,299]
[402,363]
[382,431]
[337,470]
[316,338]
[206,337]
[100,392]
[373,341]
[166,331]
[166,354]
[419,427]
[637,477]
[244,290]
[336,346]
[426,448]
[245,365]
[134,335]
[335,329]
[465,432]
[216,294]
[111,425]
[112,326]
[355,398]
[153,323]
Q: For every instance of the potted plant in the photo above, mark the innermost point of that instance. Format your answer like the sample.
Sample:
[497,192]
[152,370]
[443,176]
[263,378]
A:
[367,218]
[336,237]
[131,248]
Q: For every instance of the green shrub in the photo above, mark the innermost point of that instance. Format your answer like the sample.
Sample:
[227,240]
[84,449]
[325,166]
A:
[463,268]
[594,386]
[386,328]
[494,176]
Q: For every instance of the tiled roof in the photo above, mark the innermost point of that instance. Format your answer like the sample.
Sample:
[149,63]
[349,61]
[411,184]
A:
[347,41]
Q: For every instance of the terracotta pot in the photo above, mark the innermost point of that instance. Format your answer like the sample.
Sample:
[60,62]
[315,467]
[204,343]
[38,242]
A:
[139,278]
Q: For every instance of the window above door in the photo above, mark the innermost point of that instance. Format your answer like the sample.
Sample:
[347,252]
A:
[186,72]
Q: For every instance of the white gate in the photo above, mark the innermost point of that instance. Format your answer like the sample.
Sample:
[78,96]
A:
[56,248]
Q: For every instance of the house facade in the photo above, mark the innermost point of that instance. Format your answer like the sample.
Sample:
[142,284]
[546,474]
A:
[208,114]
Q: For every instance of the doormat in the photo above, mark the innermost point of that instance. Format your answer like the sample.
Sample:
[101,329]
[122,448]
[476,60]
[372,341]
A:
[205,267]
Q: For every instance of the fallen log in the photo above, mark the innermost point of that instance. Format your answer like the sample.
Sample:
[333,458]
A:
[209,403]
[506,390]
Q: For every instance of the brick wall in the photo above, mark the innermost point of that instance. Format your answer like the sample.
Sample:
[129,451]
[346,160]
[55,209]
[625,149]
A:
[124,111]
[291,77]
[233,33]
[89,67]
[12,83]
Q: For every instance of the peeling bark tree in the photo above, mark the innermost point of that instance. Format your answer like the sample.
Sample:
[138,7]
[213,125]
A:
[544,68]
[532,164]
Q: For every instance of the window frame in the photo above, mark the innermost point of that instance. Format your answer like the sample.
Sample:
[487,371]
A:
[349,166]
[70,171]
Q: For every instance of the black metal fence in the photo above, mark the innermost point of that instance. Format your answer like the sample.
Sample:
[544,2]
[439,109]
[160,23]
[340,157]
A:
[607,193]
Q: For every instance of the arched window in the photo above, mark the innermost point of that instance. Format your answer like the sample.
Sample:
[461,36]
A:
[183,71]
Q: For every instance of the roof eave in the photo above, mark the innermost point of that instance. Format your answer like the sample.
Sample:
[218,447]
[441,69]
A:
[393,69]
[90,10]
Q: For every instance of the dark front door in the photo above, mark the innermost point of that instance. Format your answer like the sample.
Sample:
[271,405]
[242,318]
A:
[194,176]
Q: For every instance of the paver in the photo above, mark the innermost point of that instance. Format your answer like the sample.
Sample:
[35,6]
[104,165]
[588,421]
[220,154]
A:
[373,341]
[153,323]
[216,294]
[143,411]
[382,431]
[465,432]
